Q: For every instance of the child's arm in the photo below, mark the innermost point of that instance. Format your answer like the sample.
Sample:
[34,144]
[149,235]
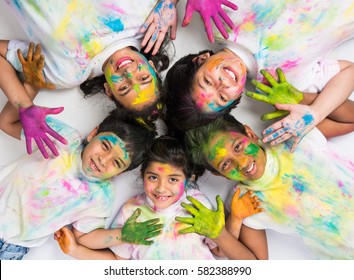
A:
[31,117]
[132,232]
[210,9]
[67,242]
[162,18]
[212,225]
[303,118]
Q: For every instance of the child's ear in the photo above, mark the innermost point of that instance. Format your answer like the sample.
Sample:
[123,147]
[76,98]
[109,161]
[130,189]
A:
[200,59]
[108,91]
[250,133]
[92,134]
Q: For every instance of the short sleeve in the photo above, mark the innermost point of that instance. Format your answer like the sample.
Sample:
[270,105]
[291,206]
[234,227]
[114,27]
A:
[89,224]
[11,55]
[321,73]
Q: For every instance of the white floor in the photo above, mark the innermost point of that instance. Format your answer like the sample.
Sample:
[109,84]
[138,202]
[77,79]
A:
[85,114]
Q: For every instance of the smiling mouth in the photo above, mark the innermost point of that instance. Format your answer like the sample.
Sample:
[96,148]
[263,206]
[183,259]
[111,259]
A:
[124,62]
[94,166]
[251,168]
[161,198]
[231,74]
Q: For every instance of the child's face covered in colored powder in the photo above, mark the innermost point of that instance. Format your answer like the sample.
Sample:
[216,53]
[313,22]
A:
[236,156]
[219,81]
[163,183]
[105,156]
[131,79]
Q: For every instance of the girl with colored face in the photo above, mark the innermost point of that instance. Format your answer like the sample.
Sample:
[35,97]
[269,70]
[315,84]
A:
[219,81]
[163,184]
[131,79]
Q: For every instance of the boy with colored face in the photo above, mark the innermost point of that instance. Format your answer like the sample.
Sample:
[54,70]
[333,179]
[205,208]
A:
[40,196]
[307,193]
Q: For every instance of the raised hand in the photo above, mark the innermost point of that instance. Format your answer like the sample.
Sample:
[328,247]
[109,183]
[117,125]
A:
[33,120]
[210,9]
[32,67]
[138,233]
[278,92]
[204,222]
[66,240]
[296,125]
[245,206]
[162,18]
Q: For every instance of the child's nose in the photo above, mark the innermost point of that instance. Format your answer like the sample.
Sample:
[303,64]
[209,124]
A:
[161,187]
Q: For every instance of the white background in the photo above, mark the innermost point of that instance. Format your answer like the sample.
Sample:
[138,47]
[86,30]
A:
[84,114]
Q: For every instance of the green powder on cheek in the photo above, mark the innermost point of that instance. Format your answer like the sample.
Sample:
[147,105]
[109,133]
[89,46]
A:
[252,149]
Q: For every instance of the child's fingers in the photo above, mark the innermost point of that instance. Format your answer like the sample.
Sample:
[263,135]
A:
[220,204]
[220,26]
[230,5]
[20,57]
[258,96]
[153,234]
[148,34]
[226,18]
[187,15]
[185,220]
[30,52]
[196,203]
[41,61]
[187,230]
[146,24]
[37,52]
[159,42]
[173,32]
[208,28]
[274,114]
[269,77]
[296,142]
[190,209]
[147,242]
[281,76]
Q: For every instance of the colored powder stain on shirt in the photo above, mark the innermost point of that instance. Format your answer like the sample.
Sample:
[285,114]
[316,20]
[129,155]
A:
[115,25]
[252,149]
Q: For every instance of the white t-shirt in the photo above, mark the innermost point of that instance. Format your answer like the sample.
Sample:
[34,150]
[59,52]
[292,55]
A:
[77,37]
[39,196]
[169,244]
[293,35]
[309,193]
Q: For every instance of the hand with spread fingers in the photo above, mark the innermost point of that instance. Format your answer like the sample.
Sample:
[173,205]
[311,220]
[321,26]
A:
[277,92]
[296,125]
[139,232]
[245,206]
[162,18]
[210,9]
[33,120]
[32,67]
[205,222]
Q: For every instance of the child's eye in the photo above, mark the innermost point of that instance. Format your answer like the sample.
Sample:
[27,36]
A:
[152,178]
[105,146]
[207,81]
[225,165]
[237,147]
[173,180]
[117,163]
[222,98]
[145,78]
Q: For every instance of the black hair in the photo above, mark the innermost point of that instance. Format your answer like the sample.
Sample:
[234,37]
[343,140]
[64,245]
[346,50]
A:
[135,136]
[196,139]
[161,62]
[169,150]
[182,113]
